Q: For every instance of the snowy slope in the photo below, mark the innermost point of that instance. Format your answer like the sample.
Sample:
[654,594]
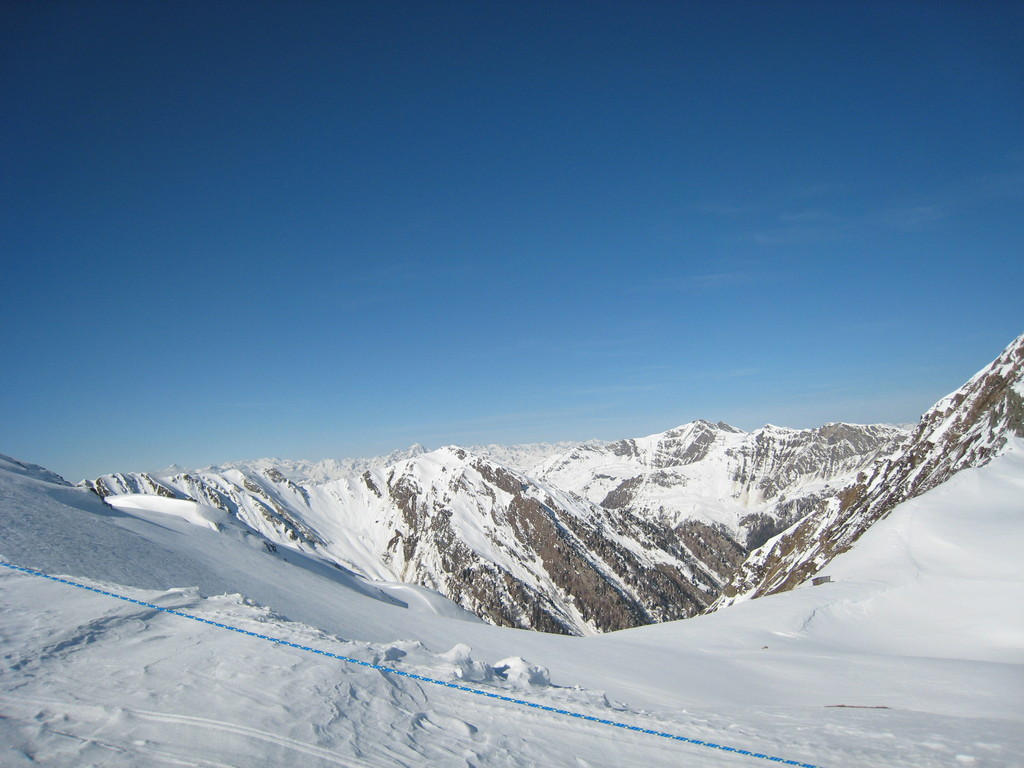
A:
[939,577]
[965,429]
[151,541]
[92,681]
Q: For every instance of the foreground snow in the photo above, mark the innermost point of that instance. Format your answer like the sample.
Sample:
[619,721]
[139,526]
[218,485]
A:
[922,619]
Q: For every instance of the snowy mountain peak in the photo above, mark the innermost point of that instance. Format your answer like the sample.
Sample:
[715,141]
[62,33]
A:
[719,474]
[725,427]
[769,428]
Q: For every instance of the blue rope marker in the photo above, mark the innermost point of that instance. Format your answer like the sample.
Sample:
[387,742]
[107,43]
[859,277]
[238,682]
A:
[421,678]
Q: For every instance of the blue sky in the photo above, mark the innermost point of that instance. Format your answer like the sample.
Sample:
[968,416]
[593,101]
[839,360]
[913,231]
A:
[233,230]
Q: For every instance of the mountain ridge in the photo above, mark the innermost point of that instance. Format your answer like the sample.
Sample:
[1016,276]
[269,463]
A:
[521,547]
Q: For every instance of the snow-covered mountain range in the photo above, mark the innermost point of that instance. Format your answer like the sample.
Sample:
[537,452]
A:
[591,537]
[573,538]
[911,657]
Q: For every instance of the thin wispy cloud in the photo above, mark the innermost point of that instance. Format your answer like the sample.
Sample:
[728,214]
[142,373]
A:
[770,200]
[784,217]
[806,225]
[619,389]
[717,209]
[931,209]
[915,218]
[946,203]
[799,234]
[702,281]
[812,216]
[993,186]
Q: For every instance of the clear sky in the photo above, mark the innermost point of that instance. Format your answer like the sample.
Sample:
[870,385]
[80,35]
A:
[330,229]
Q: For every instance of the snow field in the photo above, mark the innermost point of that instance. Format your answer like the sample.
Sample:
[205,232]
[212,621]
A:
[202,687]
[102,683]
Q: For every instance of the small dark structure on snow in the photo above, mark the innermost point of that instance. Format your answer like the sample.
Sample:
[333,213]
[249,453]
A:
[817,581]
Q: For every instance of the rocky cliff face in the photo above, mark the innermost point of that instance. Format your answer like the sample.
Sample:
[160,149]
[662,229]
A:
[964,429]
[521,553]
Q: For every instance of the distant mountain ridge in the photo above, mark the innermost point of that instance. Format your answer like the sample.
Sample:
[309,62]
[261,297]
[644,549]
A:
[521,457]
[301,470]
[750,484]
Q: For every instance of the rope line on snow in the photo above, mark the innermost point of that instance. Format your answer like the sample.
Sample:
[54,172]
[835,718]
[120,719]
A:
[421,678]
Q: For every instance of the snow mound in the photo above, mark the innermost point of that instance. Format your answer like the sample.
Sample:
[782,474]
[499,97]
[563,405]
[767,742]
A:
[463,667]
[521,673]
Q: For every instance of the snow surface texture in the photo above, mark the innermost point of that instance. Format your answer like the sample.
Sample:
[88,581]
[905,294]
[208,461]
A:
[513,670]
[913,656]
